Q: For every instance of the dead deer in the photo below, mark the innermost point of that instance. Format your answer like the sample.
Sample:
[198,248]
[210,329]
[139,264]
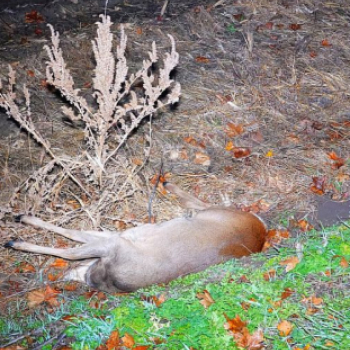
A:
[156,253]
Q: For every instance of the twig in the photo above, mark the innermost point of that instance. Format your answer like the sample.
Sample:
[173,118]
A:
[153,193]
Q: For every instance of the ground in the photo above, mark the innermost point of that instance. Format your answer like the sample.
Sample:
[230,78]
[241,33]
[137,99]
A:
[263,120]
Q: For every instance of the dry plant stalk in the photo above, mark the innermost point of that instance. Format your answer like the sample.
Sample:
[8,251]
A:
[119,110]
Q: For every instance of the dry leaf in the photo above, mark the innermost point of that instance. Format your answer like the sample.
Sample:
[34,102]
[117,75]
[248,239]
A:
[33,17]
[241,152]
[235,324]
[344,263]
[205,298]
[233,130]
[202,159]
[318,185]
[326,43]
[128,341]
[113,341]
[190,140]
[201,59]
[159,300]
[287,293]
[290,263]
[59,264]
[295,26]
[24,268]
[268,276]
[229,146]
[285,328]
[304,225]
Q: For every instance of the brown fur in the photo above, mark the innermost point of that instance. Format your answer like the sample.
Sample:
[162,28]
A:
[157,253]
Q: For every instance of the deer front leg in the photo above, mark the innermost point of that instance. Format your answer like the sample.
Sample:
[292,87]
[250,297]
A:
[89,250]
[186,200]
[75,235]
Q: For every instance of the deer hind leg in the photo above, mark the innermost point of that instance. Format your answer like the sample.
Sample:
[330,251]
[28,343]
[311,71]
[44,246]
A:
[75,235]
[89,250]
[186,200]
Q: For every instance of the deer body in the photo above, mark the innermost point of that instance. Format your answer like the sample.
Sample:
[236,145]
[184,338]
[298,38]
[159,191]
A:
[157,253]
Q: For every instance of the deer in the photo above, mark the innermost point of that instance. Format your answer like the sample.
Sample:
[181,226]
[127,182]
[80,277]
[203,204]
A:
[155,253]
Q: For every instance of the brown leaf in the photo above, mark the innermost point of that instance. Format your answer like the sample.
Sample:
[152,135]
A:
[71,287]
[268,276]
[290,263]
[33,17]
[24,268]
[113,341]
[35,298]
[241,152]
[235,325]
[59,264]
[344,263]
[190,140]
[326,43]
[205,298]
[201,59]
[229,146]
[159,300]
[285,328]
[233,130]
[303,225]
[202,159]
[295,26]
[287,293]
[128,341]
[318,185]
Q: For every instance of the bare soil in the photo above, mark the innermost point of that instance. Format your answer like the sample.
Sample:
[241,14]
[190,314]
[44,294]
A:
[263,121]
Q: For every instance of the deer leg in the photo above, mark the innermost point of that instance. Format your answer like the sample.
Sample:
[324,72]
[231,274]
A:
[186,200]
[75,235]
[89,250]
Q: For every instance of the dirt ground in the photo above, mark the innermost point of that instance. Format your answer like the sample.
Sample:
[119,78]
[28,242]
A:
[263,119]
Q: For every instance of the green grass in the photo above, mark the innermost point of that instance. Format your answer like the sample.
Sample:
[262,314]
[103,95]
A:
[181,322]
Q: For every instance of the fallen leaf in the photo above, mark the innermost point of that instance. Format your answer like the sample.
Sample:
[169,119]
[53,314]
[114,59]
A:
[113,341]
[287,293]
[59,264]
[234,324]
[201,59]
[190,140]
[326,43]
[295,26]
[30,73]
[33,17]
[202,159]
[24,267]
[233,130]
[285,328]
[344,263]
[303,225]
[128,341]
[268,276]
[290,263]
[241,152]
[48,295]
[318,185]
[205,298]
[159,300]
[229,146]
